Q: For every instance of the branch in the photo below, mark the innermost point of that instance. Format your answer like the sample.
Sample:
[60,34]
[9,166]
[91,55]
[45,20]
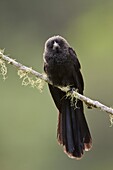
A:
[89,102]
[23,67]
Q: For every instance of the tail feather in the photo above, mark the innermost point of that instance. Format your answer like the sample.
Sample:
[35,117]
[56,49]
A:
[68,130]
[73,132]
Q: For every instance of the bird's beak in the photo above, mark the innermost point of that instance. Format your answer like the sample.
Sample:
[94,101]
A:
[55,45]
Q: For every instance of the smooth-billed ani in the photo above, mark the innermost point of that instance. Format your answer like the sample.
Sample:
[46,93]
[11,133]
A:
[63,69]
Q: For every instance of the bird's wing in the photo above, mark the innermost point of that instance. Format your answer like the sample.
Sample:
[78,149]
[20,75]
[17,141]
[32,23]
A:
[57,95]
[77,76]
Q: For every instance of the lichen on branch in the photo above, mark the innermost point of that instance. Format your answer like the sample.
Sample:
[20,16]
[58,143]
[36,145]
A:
[27,79]
[26,74]
[3,68]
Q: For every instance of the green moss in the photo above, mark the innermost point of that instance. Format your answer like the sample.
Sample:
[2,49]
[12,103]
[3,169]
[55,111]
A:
[3,69]
[111,120]
[27,79]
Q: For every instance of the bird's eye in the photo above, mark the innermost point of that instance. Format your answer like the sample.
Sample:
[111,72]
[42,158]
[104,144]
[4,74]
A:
[57,41]
[60,42]
[50,44]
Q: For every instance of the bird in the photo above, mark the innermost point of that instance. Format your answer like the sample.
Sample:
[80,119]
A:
[62,67]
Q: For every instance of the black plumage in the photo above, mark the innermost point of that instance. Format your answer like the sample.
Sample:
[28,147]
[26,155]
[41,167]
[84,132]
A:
[63,69]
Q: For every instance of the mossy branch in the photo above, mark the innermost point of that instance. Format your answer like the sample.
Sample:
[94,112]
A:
[23,71]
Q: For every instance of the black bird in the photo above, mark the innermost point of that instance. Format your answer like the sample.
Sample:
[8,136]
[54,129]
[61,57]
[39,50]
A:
[63,69]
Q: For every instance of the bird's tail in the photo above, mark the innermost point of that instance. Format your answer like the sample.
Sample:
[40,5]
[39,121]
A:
[73,132]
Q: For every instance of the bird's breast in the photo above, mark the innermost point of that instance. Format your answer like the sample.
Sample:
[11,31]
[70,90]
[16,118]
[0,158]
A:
[60,73]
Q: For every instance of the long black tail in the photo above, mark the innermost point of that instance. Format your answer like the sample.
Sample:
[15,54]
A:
[73,132]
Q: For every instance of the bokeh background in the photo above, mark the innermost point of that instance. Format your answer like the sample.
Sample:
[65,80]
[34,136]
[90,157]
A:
[28,118]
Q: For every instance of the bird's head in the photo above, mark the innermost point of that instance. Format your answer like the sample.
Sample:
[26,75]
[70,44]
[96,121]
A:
[56,44]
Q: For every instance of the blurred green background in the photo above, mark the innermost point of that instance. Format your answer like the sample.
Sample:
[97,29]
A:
[28,118]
